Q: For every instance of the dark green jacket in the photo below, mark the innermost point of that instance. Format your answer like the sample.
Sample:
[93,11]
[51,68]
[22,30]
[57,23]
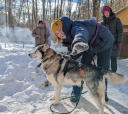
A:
[115,26]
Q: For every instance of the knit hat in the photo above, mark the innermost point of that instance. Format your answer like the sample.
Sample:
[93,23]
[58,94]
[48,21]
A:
[106,8]
[56,24]
[40,22]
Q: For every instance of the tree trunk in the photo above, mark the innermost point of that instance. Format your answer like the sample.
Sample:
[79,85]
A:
[36,14]
[10,20]
[43,5]
[28,15]
[6,11]
[55,10]
[61,8]
[70,7]
[97,17]
[88,9]
[94,8]
[50,9]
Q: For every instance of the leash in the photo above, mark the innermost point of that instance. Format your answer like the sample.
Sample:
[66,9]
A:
[82,82]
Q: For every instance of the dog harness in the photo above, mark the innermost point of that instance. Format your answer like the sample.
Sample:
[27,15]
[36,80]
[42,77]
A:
[82,73]
[71,64]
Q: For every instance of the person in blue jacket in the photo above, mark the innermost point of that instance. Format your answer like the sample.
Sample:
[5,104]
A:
[77,35]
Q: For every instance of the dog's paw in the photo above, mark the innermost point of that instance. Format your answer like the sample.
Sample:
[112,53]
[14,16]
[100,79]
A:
[55,102]
[52,98]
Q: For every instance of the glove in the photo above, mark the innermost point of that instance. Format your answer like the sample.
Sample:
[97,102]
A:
[119,45]
[79,47]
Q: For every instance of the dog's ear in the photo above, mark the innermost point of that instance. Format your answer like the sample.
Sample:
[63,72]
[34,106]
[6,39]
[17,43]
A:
[45,47]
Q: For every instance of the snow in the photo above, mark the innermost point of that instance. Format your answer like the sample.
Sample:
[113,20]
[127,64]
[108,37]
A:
[23,91]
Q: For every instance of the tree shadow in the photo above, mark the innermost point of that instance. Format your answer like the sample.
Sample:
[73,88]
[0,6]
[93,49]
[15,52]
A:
[66,106]
[120,108]
[59,108]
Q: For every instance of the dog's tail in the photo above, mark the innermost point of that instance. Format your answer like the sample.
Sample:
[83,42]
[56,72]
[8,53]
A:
[115,78]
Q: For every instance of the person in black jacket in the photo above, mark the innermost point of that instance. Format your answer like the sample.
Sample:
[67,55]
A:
[115,26]
[76,35]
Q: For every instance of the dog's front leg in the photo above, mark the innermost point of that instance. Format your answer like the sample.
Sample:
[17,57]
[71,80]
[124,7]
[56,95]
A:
[57,90]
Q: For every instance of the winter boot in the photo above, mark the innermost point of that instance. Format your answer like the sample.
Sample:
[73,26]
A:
[75,95]
[106,97]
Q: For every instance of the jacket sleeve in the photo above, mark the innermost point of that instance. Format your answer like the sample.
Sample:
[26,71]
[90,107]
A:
[34,33]
[49,35]
[119,28]
[80,34]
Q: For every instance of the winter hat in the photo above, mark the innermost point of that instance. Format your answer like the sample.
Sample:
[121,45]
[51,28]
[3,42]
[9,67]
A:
[56,24]
[106,8]
[40,22]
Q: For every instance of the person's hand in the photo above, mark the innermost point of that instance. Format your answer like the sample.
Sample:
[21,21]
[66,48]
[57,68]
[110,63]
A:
[79,47]
[119,45]
[39,36]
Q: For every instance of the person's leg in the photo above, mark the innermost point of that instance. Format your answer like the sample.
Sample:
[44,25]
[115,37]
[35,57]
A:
[103,60]
[113,64]
[86,59]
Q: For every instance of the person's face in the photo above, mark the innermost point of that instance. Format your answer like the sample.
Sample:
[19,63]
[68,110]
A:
[40,25]
[106,13]
[60,33]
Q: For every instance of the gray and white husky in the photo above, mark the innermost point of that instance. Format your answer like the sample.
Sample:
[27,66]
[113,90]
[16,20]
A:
[94,79]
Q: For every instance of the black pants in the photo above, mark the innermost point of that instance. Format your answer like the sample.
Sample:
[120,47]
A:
[113,64]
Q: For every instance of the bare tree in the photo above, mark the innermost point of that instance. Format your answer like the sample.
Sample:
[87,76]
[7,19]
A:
[55,10]
[88,9]
[36,14]
[61,4]
[70,7]
[6,10]
[94,7]
[98,7]
[10,18]
[43,5]
[28,15]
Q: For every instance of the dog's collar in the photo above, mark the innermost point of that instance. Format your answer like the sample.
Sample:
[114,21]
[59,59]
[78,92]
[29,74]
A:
[46,59]
[52,63]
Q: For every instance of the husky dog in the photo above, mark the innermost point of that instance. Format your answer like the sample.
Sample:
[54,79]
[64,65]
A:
[94,79]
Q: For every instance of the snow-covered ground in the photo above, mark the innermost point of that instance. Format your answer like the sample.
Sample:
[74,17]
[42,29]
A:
[22,90]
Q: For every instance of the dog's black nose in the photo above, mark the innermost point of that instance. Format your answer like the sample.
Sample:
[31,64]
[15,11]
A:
[29,54]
